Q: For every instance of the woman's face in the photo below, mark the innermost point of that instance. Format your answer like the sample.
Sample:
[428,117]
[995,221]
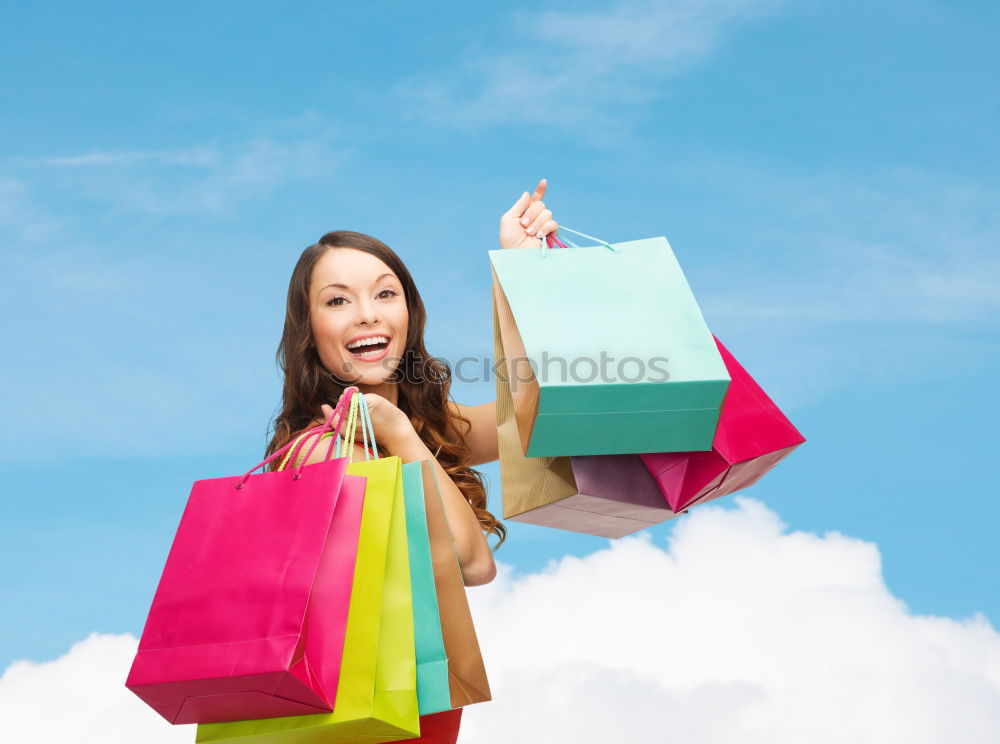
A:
[358,316]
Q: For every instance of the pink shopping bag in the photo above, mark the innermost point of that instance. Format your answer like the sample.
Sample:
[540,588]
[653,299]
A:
[752,437]
[250,613]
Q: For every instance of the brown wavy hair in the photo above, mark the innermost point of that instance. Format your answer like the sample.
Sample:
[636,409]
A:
[423,382]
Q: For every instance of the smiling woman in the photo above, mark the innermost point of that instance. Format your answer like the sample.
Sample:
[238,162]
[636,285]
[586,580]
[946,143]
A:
[360,316]
[354,317]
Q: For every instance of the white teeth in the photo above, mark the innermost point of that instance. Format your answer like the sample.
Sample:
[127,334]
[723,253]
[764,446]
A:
[368,342]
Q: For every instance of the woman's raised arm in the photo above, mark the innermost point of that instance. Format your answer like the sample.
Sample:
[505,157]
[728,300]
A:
[524,225]
[481,434]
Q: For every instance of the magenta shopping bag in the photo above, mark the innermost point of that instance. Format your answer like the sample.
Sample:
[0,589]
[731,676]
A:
[248,620]
[752,437]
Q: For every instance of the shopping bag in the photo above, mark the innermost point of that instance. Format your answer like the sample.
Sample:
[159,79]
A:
[433,693]
[439,728]
[606,350]
[603,495]
[376,696]
[752,437]
[250,614]
[466,672]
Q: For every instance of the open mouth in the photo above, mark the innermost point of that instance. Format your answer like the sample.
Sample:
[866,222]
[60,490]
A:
[368,348]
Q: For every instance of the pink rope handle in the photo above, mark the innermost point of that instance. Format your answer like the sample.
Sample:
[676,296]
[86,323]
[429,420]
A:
[328,425]
[551,238]
[344,402]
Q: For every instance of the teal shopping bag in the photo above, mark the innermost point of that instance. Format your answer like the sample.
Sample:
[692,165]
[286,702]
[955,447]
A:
[606,350]
[433,692]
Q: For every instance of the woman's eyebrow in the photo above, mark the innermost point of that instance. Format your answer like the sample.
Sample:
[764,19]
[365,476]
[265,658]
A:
[344,286]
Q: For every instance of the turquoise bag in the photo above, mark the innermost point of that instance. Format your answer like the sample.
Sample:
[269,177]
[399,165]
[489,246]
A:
[606,350]
[433,692]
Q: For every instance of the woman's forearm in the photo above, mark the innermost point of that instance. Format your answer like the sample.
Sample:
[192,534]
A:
[474,554]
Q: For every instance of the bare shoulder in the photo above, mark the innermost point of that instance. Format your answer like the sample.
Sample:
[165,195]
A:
[324,450]
[316,450]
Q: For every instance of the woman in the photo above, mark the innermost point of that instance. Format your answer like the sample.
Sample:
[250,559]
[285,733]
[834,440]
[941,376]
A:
[354,317]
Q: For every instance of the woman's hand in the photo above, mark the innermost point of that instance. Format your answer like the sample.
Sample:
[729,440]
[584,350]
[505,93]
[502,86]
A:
[528,221]
[394,429]
[389,424]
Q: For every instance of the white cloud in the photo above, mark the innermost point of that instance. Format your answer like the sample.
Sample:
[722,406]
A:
[580,70]
[81,697]
[204,157]
[737,631]
[209,178]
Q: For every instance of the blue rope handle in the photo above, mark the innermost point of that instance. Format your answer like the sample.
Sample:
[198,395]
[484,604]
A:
[367,430]
[582,235]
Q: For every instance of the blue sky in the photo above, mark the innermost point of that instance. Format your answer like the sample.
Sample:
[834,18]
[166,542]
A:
[825,172]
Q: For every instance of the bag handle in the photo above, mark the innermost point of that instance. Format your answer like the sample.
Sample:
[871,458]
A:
[358,409]
[350,418]
[288,448]
[550,239]
[351,402]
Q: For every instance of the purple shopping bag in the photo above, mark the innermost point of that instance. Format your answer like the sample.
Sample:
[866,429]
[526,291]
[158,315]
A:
[249,617]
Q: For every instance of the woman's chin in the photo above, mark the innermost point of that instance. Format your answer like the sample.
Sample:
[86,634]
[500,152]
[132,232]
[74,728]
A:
[366,372]
[374,376]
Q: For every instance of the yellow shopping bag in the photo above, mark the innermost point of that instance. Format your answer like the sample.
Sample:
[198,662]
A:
[377,693]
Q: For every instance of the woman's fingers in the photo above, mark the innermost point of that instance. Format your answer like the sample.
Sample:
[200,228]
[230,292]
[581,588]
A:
[549,227]
[525,200]
[544,216]
[346,391]
[531,214]
[518,207]
[521,216]
[328,410]
[330,418]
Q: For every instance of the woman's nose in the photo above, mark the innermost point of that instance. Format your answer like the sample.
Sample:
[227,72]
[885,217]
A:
[367,313]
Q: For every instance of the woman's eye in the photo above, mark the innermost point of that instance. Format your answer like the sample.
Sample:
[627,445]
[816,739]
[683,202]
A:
[386,294]
[336,301]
